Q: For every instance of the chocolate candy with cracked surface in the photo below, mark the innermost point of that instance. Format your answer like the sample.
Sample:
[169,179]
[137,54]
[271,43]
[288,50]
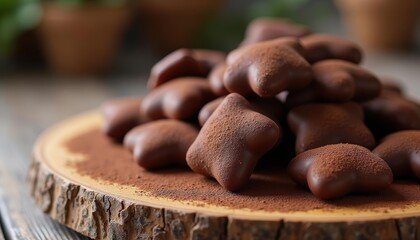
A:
[231,142]
[320,47]
[182,98]
[216,80]
[161,143]
[267,68]
[270,107]
[337,80]
[401,150]
[120,115]
[184,62]
[391,112]
[335,170]
[316,125]
[263,29]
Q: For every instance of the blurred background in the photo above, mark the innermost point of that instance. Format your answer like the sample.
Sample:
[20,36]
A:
[100,38]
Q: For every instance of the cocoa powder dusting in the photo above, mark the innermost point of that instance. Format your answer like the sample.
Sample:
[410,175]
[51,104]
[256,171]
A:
[269,189]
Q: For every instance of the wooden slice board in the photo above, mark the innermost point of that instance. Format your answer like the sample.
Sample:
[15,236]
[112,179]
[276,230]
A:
[101,210]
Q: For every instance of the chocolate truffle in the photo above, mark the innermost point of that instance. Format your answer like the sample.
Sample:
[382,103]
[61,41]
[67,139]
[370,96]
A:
[231,142]
[316,125]
[120,115]
[401,150]
[335,170]
[337,80]
[216,80]
[391,112]
[267,68]
[320,47]
[263,29]
[160,143]
[181,98]
[182,63]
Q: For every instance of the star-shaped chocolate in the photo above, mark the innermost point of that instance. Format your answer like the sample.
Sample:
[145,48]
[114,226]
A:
[337,80]
[267,68]
[183,63]
[316,125]
[321,47]
[231,142]
[401,150]
[335,170]
[391,112]
[181,98]
[263,29]
[160,143]
[120,115]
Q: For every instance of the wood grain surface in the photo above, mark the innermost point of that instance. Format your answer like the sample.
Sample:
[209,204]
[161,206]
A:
[31,103]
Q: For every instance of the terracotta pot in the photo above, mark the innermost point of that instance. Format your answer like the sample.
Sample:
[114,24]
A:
[381,24]
[82,40]
[172,24]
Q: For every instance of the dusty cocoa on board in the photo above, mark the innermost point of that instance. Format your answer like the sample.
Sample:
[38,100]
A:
[269,189]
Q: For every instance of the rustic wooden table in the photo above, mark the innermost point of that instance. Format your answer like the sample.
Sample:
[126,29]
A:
[29,103]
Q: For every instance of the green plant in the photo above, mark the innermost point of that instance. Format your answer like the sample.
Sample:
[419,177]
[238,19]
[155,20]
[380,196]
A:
[16,16]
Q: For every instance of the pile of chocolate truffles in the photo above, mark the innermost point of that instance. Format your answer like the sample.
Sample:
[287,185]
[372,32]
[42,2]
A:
[285,94]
